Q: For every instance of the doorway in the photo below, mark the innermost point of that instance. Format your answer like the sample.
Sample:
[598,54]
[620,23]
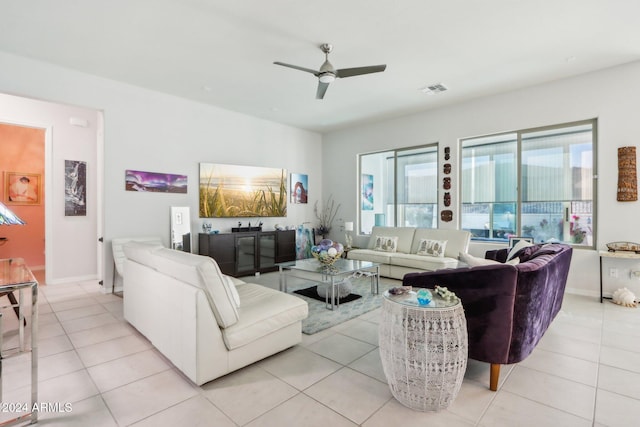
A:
[22,172]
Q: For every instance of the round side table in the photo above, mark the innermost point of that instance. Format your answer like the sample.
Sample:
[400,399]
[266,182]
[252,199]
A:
[423,349]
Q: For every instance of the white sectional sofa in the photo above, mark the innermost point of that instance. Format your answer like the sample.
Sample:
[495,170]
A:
[407,255]
[207,324]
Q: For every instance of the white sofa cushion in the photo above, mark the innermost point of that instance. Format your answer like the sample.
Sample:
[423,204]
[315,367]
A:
[370,255]
[263,311]
[422,262]
[203,272]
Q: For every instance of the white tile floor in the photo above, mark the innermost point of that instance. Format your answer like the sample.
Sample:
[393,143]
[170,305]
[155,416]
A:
[584,372]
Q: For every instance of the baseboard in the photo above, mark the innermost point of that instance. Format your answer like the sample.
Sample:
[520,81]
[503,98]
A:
[72,279]
[583,292]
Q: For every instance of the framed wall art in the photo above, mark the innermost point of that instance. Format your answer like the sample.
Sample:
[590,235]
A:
[229,191]
[299,188]
[75,186]
[367,192]
[22,188]
[155,182]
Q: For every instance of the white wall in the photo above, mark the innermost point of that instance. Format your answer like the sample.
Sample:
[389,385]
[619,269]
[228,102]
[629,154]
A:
[612,96]
[154,132]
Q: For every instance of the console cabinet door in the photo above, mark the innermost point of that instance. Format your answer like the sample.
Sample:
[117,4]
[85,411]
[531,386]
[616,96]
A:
[286,250]
[222,248]
[246,254]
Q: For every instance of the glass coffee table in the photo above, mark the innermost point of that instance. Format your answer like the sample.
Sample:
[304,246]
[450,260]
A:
[331,276]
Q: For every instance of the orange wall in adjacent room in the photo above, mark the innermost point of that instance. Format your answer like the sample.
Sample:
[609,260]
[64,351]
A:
[22,150]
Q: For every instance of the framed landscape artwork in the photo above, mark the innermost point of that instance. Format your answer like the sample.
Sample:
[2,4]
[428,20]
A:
[22,188]
[228,191]
[155,182]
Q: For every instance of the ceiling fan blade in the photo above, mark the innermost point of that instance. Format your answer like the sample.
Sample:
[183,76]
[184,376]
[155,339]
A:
[322,89]
[349,72]
[295,67]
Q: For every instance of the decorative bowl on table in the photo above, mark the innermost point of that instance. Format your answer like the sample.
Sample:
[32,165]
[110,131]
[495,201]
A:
[327,251]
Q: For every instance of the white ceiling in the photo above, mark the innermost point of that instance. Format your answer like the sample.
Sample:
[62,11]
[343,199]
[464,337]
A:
[222,52]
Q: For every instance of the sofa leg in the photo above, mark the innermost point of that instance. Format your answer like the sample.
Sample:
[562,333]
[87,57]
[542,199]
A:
[495,374]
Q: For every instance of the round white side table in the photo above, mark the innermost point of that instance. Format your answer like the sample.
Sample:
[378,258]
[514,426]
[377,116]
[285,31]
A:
[423,349]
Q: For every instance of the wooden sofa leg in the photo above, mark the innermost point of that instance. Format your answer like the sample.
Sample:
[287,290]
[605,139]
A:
[495,374]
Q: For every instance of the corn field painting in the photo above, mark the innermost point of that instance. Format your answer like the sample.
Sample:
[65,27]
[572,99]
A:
[228,191]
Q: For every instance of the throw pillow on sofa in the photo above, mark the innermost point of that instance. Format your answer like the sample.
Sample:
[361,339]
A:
[433,248]
[386,244]
[518,247]
[473,261]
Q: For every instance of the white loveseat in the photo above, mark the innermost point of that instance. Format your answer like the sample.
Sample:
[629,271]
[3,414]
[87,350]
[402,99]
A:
[206,323]
[404,257]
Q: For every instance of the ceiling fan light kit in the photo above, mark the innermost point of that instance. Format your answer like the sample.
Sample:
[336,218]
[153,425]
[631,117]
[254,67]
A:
[327,73]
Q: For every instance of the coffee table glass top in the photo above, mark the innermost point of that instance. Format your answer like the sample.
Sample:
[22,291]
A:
[341,266]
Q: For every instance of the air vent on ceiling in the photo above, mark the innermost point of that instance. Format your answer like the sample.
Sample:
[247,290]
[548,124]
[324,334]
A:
[434,89]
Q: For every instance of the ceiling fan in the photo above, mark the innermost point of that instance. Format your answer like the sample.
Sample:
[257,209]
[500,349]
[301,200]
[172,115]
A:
[327,73]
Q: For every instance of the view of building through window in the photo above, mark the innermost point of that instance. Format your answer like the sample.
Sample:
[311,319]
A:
[535,183]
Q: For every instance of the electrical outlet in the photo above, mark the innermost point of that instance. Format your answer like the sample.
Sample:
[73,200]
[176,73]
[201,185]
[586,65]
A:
[613,272]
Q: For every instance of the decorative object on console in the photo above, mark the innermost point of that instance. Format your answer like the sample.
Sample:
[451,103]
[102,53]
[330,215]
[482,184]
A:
[22,188]
[299,188]
[623,246]
[325,216]
[75,185]
[348,228]
[627,178]
[228,191]
[155,182]
[327,252]
[624,297]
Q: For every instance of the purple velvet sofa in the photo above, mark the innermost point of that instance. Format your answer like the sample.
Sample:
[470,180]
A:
[508,308]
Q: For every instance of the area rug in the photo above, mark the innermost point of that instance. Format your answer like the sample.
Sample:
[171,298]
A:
[320,318]
[312,292]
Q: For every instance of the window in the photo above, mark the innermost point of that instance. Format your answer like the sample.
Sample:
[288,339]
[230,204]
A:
[534,183]
[399,188]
